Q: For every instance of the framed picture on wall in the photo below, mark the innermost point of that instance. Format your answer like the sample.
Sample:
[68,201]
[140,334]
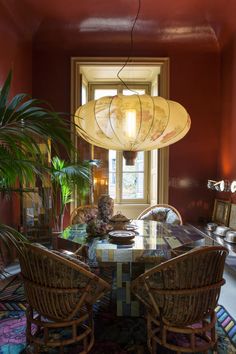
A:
[232,217]
[221,212]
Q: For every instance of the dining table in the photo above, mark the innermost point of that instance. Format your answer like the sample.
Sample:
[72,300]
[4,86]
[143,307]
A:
[151,243]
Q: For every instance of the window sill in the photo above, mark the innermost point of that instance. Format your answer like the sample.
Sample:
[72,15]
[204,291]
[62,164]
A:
[131,211]
[132,205]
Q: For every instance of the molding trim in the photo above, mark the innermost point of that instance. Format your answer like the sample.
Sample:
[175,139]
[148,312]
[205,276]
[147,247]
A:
[163,176]
[163,162]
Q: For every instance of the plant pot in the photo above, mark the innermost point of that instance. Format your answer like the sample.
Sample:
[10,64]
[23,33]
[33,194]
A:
[55,236]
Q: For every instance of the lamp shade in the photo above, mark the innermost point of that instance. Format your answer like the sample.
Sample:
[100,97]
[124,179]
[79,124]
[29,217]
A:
[132,123]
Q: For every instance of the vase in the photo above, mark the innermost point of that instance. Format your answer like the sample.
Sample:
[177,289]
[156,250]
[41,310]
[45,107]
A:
[105,207]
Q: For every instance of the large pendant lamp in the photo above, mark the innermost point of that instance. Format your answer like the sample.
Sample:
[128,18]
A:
[132,123]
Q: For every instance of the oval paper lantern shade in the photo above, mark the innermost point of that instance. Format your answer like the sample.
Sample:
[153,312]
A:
[132,123]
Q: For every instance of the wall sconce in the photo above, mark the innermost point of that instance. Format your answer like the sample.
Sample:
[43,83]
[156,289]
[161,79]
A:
[211,184]
[233,187]
[220,186]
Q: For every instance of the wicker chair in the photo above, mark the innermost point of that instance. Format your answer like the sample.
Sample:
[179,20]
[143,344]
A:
[83,214]
[180,297]
[60,293]
[163,213]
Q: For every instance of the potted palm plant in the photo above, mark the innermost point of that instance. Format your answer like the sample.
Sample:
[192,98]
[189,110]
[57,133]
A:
[23,122]
[64,177]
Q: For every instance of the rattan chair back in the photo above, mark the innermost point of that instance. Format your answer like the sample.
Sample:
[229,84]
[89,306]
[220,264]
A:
[83,214]
[149,213]
[55,287]
[185,289]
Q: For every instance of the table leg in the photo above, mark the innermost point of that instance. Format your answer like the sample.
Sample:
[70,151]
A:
[126,304]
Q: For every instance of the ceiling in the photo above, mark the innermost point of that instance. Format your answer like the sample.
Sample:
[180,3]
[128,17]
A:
[75,22]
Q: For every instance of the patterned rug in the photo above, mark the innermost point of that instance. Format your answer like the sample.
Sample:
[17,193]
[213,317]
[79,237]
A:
[11,306]
[113,335]
[11,289]
[227,323]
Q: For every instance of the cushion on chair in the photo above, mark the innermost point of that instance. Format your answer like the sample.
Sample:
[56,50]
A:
[84,214]
[162,215]
[75,259]
[172,218]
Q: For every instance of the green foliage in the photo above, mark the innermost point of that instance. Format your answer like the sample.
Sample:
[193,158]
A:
[65,176]
[23,123]
[11,238]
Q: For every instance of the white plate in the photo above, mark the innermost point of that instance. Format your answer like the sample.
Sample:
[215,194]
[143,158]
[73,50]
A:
[121,234]
[131,227]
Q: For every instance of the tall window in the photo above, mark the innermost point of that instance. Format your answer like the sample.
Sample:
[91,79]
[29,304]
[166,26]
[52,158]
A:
[127,184]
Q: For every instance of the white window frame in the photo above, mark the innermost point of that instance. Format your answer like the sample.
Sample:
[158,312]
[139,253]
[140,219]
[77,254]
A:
[119,180]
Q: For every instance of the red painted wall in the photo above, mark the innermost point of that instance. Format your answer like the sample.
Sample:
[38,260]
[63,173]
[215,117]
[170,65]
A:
[202,78]
[227,155]
[194,83]
[16,55]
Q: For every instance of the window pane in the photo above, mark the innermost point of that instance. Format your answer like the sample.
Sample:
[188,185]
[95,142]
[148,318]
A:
[112,160]
[139,164]
[133,185]
[84,94]
[112,173]
[132,91]
[98,93]
[112,185]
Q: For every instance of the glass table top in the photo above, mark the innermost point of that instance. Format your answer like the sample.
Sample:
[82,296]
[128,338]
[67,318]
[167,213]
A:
[151,239]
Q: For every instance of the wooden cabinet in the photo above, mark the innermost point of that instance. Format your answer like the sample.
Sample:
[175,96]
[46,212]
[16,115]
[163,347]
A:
[36,204]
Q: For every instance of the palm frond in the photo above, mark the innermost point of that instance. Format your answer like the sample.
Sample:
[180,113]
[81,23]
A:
[24,122]
[12,237]
[65,176]
[4,94]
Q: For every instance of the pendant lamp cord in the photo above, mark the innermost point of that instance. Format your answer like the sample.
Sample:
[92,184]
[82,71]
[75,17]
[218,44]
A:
[131,48]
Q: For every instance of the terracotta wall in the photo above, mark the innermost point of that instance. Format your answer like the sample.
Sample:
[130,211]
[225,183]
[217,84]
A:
[227,155]
[194,83]
[201,78]
[16,55]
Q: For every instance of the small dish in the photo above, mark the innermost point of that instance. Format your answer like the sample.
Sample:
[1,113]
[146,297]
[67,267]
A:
[126,244]
[221,230]
[121,236]
[230,236]
[131,227]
